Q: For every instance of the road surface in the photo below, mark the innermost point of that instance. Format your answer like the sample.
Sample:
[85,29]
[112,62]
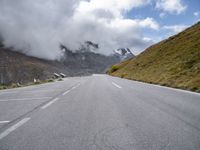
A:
[99,112]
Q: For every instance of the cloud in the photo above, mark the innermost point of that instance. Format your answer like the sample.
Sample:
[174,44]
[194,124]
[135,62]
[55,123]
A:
[162,15]
[112,5]
[33,27]
[103,22]
[196,14]
[38,27]
[171,6]
[149,23]
[175,28]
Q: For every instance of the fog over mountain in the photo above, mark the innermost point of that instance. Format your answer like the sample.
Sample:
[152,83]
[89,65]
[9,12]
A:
[38,27]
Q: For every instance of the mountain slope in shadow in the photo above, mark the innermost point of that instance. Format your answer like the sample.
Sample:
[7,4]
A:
[20,68]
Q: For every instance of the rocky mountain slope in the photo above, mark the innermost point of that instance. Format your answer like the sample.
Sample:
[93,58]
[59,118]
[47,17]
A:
[19,68]
[124,53]
[174,62]
[85,62]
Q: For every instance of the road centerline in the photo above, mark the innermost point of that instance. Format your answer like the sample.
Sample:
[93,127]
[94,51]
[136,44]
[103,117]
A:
[66,92]
[14,127]
[50,103]
[116,85]
[76,86]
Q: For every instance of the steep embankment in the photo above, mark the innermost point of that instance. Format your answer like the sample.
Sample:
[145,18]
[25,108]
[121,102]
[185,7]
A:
[174,62]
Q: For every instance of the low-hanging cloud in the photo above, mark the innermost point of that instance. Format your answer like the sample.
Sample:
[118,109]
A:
[38,27]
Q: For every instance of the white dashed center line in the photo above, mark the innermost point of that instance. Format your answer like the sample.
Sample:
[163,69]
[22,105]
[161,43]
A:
[54,100]
[73,87]
[49,103]
[14,127]
[66,92]
[76,86]
[116,85]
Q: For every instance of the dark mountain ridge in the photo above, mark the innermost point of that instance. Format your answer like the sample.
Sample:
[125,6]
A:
[16,67]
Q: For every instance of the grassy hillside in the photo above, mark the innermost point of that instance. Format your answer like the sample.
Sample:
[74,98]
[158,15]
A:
[174,62]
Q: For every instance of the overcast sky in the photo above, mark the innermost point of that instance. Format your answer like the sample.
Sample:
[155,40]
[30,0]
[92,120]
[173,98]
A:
[37,27]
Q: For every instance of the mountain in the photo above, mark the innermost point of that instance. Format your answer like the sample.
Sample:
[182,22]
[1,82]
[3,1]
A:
[124,53]
[19,68]
[174,62]
[85,62]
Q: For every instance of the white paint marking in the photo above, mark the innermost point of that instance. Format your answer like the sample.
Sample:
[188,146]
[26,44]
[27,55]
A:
[66,92]
[76,86]
[14,127]
[116,85]
[98,75]
[24,99]
[171,88]
[1,122]
[39,91]
[29,92]
[165,87]
[50,103]
[7,93]
[73,88]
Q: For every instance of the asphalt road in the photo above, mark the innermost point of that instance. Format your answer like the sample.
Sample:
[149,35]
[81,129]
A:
[99,112]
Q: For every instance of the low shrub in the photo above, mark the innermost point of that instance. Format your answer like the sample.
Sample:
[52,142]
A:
[114,68]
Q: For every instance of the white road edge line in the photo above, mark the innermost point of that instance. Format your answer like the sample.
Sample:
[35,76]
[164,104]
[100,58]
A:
[14,127]
[66,92]
[24,99]
[49,103]
[7,93]
[166,87]
[116,85]
[1,122]
[174,89]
